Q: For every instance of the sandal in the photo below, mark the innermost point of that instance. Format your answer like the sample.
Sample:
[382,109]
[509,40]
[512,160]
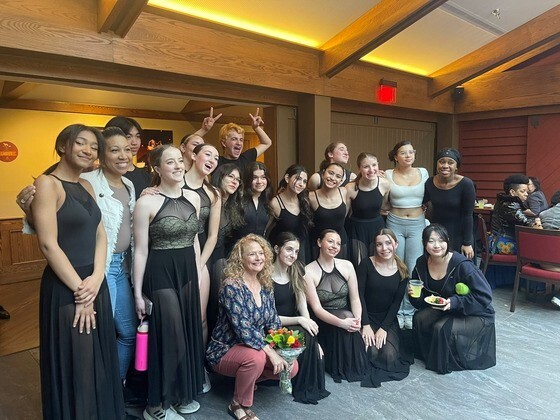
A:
[248,413]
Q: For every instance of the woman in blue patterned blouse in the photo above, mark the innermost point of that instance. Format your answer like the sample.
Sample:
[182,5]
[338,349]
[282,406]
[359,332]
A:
[246,312]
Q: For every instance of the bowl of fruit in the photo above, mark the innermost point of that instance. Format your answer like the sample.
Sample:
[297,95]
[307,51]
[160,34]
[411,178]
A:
[436,301]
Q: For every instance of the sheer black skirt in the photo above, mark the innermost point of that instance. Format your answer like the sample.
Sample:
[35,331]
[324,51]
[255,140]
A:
[175,346]
[391,362]
[345,355]
[450,343]
[79,372]
[308,386]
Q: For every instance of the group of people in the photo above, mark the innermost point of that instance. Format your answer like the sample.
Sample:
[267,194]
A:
[216,260]
[523,203]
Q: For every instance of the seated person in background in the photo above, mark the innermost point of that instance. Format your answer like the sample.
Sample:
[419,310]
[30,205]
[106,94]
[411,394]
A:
[536,201]
[551,220]
[508,212]
[458,334]
[232,137]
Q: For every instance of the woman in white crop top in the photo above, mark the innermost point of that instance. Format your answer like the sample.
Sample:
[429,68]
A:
[406,216]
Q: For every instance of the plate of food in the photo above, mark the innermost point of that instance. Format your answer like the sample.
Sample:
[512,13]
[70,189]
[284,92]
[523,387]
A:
[436,301]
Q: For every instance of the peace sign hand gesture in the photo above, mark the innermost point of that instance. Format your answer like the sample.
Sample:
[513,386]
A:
[209,121]
[257,120]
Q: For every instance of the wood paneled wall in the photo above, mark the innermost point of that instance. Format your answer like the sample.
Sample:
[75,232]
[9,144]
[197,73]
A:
[21,265]
[543,147]
[378,135]
[492,150]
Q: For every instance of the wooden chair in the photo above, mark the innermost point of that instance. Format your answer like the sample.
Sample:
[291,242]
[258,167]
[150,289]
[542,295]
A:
[537,246]
[486,256]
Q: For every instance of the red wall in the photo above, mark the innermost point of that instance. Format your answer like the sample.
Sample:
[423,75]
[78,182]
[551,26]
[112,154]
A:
[543,151]
[494,149]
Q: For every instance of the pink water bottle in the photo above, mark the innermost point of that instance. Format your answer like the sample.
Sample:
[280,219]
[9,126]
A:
[141,356]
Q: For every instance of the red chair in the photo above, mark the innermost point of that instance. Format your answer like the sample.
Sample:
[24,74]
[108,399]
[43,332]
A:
[536,246]
[487,257]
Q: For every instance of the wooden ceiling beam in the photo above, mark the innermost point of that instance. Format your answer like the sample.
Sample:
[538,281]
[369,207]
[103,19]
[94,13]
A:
[118,16]
[536,86]
[38,105]
[375,27]
[194,106]
[532,35]
[14,90]
[527,56]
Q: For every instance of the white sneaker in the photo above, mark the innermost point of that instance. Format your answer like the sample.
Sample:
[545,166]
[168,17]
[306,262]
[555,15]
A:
[158,413]
[190,408]
[206,386]
[556,300]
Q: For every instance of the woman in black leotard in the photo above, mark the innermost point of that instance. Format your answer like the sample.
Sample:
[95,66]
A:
[452,201]
[291,211]
[382,281]
[367,195]
[332,293]
[204,159]
[257,193]
[336,152]
[79,364]
[227,181]
[330,207]
[289,297]
[166,271]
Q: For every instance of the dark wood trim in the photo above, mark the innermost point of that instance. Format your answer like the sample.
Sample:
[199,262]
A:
[35,105]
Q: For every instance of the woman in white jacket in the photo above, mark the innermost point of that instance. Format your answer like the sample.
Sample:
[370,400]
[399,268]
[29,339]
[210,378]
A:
[115,197]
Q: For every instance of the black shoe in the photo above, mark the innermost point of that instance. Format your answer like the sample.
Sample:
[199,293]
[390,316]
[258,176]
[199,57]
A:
[131,400]
[4,314]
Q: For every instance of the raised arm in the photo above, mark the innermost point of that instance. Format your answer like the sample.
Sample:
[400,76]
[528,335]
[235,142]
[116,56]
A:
[264,141]
[208,123]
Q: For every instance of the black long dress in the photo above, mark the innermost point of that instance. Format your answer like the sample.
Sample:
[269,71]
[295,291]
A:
[363,224]
[176,349]
[381,297]
[79,372]
[463,338]
[308,386]
[345,355]
[289,222]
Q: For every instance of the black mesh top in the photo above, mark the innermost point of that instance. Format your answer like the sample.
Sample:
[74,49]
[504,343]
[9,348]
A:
[175,225]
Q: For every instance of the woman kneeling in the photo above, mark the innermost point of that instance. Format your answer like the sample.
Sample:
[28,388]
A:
[456,331]
[237,347]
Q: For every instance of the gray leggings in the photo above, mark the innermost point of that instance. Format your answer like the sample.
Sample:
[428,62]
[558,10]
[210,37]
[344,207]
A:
[409,235]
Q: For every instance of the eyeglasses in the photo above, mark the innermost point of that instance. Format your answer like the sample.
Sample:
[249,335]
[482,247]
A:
[234,178]
[407,152]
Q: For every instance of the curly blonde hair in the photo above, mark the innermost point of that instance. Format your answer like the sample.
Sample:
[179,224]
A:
[234,266]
